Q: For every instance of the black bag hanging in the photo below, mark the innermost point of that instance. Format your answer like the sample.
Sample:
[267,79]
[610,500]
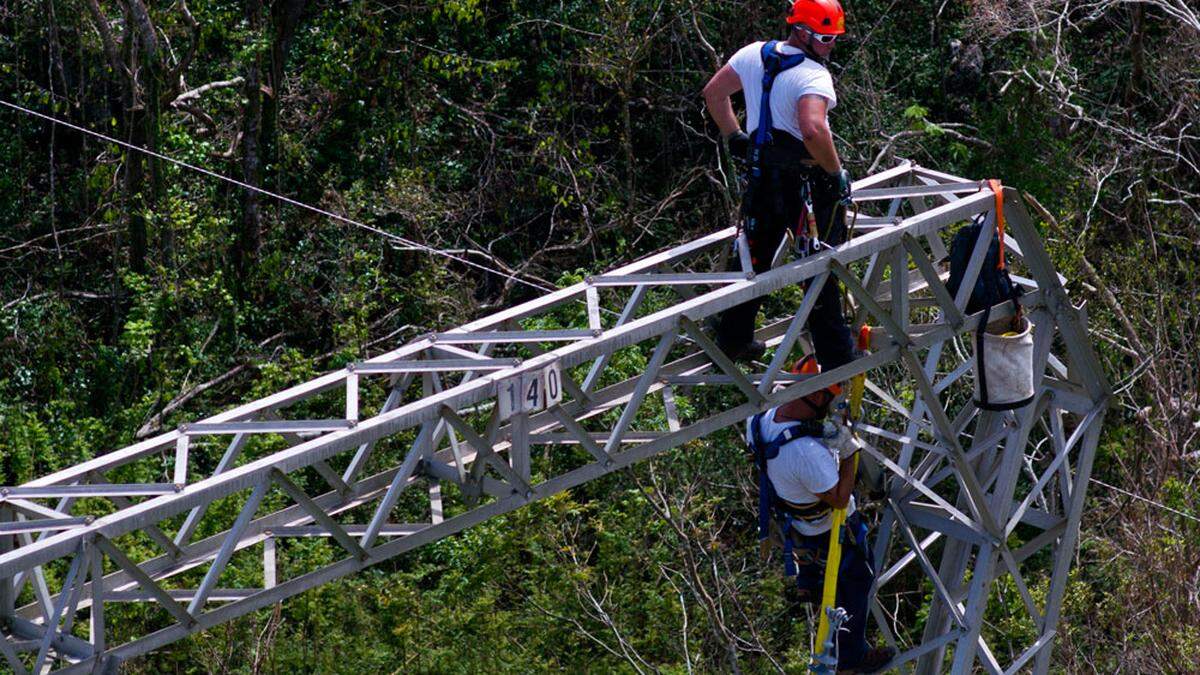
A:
[1011,353]
[993,285]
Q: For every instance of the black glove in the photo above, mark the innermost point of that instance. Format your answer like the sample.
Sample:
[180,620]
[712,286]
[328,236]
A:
[739,145]
[840,182]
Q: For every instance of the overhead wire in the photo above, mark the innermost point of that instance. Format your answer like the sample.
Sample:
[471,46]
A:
[1138,497]
[282,198]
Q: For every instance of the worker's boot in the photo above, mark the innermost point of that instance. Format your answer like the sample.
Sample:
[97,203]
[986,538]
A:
[746,353]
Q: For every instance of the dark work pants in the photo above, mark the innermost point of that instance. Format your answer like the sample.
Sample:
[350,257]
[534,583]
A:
[779,207]
[855,578]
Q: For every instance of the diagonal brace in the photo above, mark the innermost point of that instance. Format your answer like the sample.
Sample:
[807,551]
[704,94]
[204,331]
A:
[484,450]
[722,360]
[319,515]
[148,584]
[232,537]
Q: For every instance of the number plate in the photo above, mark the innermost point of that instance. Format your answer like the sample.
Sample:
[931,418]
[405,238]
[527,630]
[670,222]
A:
[530,392]
[508,397]
[532,396]
[552,384]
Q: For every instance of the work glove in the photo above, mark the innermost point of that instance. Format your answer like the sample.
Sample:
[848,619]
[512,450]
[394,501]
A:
[840,182]
[838,438]
[739,145]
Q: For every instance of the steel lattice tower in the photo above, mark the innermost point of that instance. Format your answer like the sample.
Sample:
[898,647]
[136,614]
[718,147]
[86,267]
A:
[970,495]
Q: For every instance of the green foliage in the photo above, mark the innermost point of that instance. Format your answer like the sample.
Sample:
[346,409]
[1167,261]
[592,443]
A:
[556,139]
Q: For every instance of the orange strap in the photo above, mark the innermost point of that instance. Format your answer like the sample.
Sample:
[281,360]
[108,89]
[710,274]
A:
[998,189]
[864,337]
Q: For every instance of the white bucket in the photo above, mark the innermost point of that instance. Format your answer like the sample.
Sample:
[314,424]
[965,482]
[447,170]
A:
[1004,368]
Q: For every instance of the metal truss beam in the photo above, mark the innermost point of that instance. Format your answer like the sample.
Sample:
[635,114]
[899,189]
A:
[970,479]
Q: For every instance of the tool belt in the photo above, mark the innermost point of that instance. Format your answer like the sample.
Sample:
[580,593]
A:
[810,512]
[785,151]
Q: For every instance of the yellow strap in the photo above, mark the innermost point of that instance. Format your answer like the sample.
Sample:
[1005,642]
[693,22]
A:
[838,517]
[832,562]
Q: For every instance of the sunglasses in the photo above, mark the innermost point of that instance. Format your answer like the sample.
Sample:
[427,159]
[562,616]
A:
[823,38]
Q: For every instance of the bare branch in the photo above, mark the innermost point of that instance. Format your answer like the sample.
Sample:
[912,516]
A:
[194,94]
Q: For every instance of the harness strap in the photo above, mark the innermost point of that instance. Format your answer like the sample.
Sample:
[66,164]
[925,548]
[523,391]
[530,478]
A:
[809,512]
[769,500]
[764,482]
[998,189]
[981,371]
[773,64]
[789,558]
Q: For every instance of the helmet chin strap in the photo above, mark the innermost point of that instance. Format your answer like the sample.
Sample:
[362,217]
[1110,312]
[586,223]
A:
[806,43]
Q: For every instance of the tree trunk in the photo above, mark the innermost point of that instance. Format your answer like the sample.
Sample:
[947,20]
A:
[1137,54]
[134,131]
[627,133]
[285,15]
[143,60]
[250,233]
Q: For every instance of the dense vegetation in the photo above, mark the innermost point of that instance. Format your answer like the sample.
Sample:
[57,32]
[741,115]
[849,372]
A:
[549,139]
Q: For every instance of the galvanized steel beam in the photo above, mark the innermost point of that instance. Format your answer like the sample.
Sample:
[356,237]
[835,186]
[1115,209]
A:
[918,447]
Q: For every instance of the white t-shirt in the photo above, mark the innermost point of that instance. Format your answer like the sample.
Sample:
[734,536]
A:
[803,469]
[810,77]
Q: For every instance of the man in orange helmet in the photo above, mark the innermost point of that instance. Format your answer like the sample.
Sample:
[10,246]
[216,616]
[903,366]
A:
[805,469]
[790,153]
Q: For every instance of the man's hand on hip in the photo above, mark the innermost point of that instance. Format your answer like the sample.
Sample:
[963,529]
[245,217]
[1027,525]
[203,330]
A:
[739,145]
[840,182]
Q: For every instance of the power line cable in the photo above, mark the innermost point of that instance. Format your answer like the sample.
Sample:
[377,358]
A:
[282,198]
[1164,507]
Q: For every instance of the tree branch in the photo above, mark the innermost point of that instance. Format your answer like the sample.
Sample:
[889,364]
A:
[106,37]
[194,94]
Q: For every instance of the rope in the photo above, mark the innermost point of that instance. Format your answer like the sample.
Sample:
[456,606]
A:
[282,198]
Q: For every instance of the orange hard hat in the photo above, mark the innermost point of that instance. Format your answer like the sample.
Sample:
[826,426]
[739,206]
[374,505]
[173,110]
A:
[821,16]
[820,399]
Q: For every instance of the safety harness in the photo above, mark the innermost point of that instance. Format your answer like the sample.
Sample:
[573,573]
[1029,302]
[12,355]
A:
[774,63]
[770,504]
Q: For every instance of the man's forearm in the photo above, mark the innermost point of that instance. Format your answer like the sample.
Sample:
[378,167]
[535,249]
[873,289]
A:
[846,476]
[819,142]
[839,495]
[721,109]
